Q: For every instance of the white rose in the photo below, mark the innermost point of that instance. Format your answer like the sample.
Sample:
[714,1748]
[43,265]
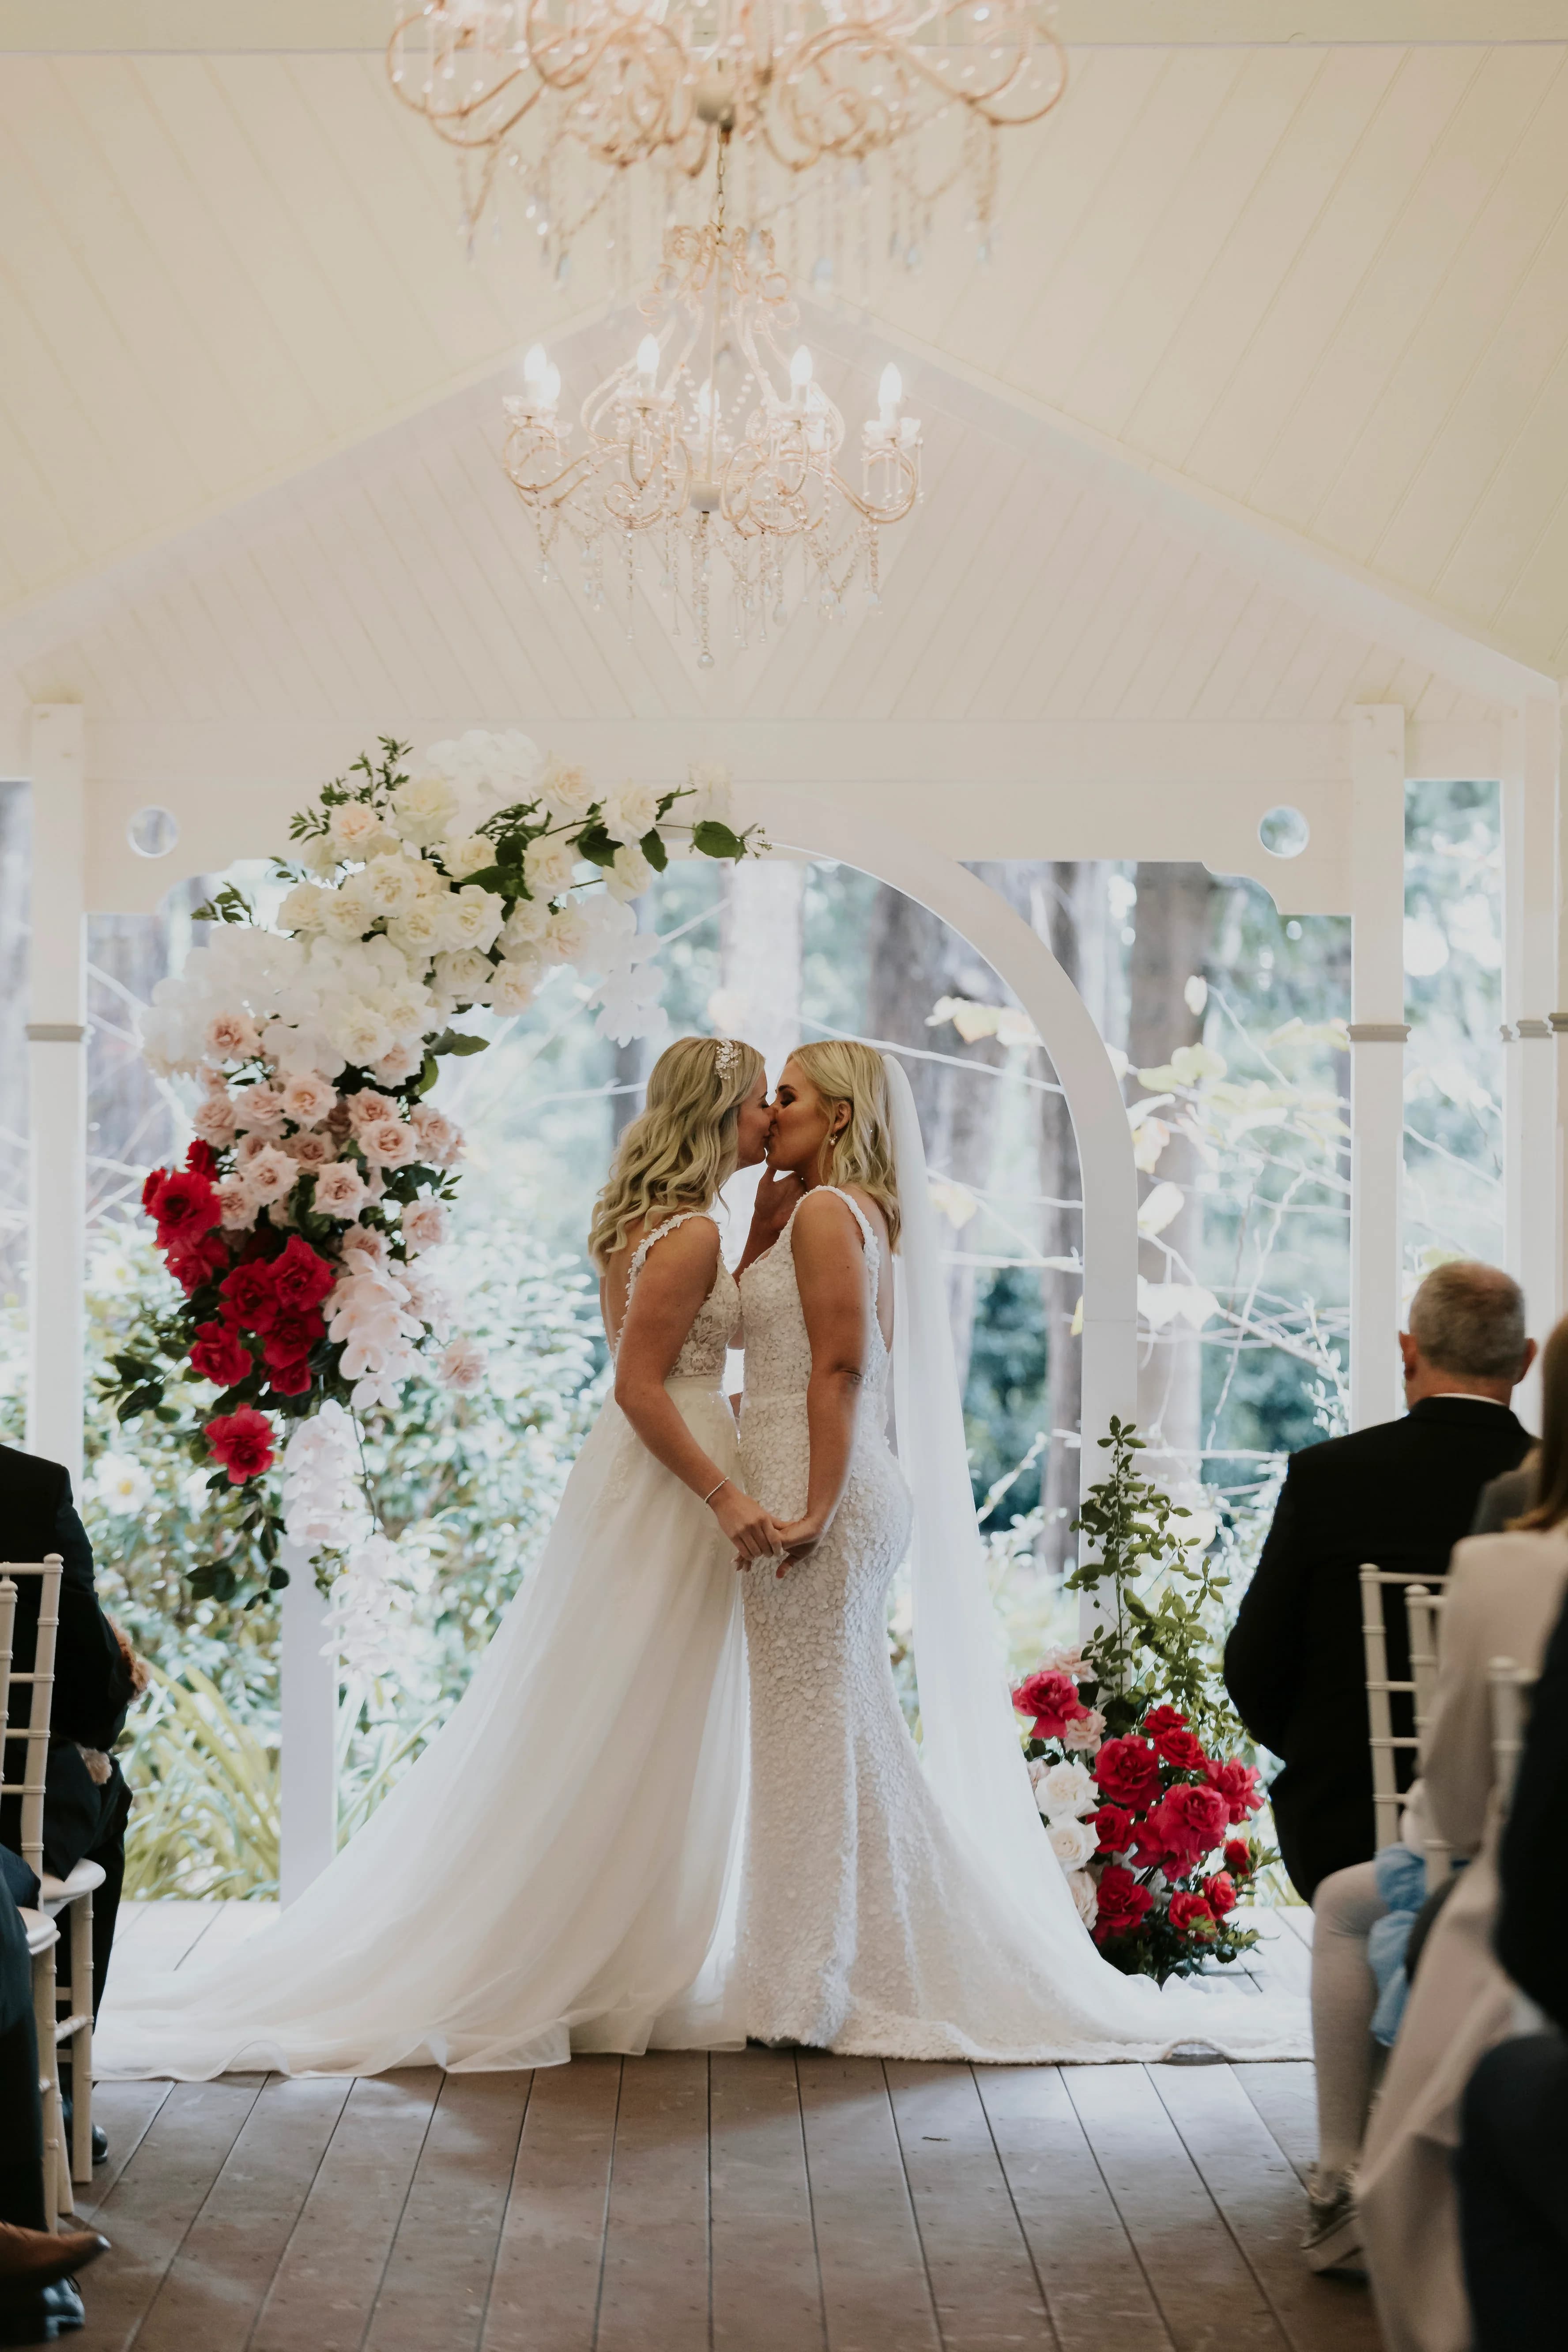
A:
[465,978]
[569,933]
[528,925]
[630,875]
[231,1037]
[343,916]
[512,985]
[1085,1895]
[420,931]
[428,879]
[565,792]
[631,811]
[356,830]
[359,1032]
[423,808]
[472,916]
[548,865]
[408,1012]
[713,795]
[1072,1843]
[303,907]
[319,854]
[387,886]
[465,854]
[1066,1789]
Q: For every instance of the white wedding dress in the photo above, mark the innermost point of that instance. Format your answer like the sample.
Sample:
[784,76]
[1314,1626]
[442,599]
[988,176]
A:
[889,1910]
[556,1871]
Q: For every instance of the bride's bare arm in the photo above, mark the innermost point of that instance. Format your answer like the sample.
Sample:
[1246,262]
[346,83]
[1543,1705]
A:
[676,1279]
[830,1269]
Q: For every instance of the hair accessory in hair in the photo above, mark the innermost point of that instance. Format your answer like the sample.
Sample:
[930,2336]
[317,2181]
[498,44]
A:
[725,1062]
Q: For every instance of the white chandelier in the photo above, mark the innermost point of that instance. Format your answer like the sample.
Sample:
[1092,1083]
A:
[709,443]
[796,83]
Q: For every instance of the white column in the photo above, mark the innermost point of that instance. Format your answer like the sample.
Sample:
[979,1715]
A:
[1529,991]
[56,1112]
[307,1693]
[1378,1031]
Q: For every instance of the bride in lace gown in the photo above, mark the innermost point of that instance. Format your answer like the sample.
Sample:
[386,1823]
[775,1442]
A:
[554,1872]
[888,1909]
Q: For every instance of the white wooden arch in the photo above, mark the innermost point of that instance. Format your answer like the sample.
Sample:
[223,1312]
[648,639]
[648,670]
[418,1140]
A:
[908,862]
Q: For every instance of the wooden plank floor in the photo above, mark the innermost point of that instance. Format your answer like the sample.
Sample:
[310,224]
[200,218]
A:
[759,2201]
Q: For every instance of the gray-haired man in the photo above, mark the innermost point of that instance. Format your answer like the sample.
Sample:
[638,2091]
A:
[1399,1495]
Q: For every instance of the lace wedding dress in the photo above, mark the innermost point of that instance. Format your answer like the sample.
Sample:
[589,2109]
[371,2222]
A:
[870,1923]
[551,1876]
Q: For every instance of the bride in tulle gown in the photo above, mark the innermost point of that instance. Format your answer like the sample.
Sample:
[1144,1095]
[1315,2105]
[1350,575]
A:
[555,1873]
[897,1903]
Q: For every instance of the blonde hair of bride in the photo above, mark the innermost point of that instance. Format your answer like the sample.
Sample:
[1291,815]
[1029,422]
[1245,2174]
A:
[682,1148]
[845,1072]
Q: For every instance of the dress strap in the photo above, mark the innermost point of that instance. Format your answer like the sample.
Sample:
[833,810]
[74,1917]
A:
[654,1233]
[873,1246]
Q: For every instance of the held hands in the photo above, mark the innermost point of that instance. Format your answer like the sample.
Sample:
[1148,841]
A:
[798,1538]
[746,1525]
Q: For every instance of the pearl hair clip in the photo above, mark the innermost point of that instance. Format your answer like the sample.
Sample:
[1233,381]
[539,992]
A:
[725,1062]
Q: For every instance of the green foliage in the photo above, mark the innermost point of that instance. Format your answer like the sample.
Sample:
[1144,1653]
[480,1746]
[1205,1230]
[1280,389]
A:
[228,904]
[206,1813]
[1153,1590]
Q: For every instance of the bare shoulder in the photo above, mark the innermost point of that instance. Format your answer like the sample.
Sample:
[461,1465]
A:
[692,1243]
[824,1216]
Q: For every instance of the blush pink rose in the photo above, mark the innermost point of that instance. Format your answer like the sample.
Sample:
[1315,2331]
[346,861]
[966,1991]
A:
[388,1143]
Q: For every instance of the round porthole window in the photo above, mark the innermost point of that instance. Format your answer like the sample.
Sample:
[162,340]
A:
[153,831]
[1284,832]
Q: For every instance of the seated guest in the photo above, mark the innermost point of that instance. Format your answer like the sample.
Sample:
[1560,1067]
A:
[1504,1594]
[1507,1499]
[96,1678]
[1513,2165]
[38,2295]
[1398,1495]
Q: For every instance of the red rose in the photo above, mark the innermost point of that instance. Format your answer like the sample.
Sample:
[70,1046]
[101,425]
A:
[300,1278]
[242,1442]
[1159,1719]
[1238,1783]
[186,1206]
[290,1379]
[1182,1748]
[1051,1698]
[194,1262]
[200,1159]
[1187,1823]
[1238,1858]
[292,1335]
[249,1298]
[1128,1771]
[1122,1903]
[1113,1827]
[1219,1894]
[219,1356]
[1190,1915]
[153,1184]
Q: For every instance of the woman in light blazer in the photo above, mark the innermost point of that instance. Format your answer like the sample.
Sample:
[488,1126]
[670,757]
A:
[1503,1596]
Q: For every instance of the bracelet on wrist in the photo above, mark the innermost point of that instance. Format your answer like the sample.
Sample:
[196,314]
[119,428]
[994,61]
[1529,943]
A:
[707,1497]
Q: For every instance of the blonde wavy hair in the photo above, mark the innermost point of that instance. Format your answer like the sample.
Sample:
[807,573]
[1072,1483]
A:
[845,1072]
[682,1148]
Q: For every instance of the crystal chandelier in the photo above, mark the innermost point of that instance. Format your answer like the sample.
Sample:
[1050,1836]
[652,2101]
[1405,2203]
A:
[610,84]
[709,443]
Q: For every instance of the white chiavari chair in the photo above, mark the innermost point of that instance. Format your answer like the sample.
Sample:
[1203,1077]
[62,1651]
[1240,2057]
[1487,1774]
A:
[1386,1743]
[1509,1686]
[1423,1617]
[67,1901]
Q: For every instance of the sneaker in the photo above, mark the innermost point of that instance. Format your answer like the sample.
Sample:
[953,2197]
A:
[1331,2238]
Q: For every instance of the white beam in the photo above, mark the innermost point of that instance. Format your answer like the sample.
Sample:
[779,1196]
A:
[307,1759]
[57,1112]
[1530,796]
[1378,1031]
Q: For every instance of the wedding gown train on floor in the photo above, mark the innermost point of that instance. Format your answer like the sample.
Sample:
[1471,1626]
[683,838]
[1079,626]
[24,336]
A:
[551,1874]
[870,1924]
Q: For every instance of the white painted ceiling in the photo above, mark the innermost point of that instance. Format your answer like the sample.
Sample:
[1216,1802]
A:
[1260,411]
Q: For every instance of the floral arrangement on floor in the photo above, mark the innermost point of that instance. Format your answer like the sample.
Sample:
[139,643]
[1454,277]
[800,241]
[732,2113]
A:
[299,1228]
[1148,1816]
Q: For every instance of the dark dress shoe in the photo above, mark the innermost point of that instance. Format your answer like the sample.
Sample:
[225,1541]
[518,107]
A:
[44,2316]
[100,2136]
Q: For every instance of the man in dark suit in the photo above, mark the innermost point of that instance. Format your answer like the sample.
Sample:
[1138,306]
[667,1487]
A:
[86,1800]
[1398,1495]
[1513,2159]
